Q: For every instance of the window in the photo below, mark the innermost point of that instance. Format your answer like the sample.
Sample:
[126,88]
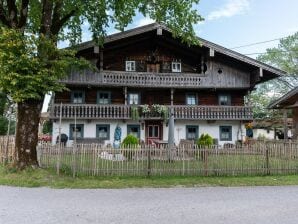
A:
[77,96]
[130,66]
[103,131]
[224,99]
[192,132]
[191,99]
[153,131]
[76,131]
[134,98]
[176,66]
[134,130]
[103,97]
[225,133]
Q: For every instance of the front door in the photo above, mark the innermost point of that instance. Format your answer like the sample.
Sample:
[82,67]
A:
[153,131]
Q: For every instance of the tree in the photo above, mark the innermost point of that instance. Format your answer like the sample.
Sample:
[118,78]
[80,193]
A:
[31,64]
[284,57]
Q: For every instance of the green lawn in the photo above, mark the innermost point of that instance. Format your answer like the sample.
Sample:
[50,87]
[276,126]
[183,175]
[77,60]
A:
[48,178]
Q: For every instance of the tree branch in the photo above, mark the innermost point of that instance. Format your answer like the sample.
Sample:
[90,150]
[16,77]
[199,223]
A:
[46,19]
[23,14]
[60,22]
[12,13]
[3,17]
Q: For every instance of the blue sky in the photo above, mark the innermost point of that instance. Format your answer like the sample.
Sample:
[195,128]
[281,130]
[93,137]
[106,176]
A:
[233,23]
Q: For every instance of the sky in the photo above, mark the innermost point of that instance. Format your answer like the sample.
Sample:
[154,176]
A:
[233,23]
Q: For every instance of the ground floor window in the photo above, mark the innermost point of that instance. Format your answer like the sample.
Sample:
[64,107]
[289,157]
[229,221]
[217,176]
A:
[103,131]
[76,131]
[192,132]
[133,130]
[225,133]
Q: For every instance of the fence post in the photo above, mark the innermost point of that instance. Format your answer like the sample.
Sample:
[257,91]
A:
[267,161]
[74,165]
[149,163]
[205,158]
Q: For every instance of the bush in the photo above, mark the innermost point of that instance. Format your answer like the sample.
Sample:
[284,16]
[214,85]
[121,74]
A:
[205,140]
[130,142]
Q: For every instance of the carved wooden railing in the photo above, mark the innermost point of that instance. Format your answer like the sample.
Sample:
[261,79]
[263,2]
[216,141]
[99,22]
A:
[95,111]
[119,78]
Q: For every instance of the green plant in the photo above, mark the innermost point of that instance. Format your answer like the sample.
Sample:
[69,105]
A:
[135,113]
[205,140]
[129,144]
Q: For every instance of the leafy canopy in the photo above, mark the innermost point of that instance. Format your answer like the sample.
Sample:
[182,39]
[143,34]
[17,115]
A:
[24,74]
[284,57]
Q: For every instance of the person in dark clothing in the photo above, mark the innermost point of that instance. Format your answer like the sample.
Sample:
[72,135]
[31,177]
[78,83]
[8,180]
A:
[64,139]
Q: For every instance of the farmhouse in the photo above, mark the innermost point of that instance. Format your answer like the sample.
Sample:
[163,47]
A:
[289,101]
[143,76]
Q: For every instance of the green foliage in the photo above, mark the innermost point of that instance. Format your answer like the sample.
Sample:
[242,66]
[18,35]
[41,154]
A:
[205,140]
[130,141]
[25,74]
[47,127]
[3,125]
[3,103]
[283,57]
[135,113]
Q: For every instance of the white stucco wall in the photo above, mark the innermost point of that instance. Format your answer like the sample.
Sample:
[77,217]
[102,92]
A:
[180,129]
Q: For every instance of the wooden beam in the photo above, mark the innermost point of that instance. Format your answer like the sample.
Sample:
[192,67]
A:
[125,95]
[261,72]
[101,60]
[285,117]
[211,52]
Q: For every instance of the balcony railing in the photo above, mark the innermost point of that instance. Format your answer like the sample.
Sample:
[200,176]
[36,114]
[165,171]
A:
[136,79]
[95,111]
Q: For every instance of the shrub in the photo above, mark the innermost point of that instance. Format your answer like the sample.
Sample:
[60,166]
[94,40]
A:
[205,140]
[130,142]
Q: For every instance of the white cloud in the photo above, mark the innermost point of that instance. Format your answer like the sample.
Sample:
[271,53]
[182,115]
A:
[144,21]
[231,8]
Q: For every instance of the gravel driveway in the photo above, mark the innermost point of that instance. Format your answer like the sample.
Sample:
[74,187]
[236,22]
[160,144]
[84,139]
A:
[175,205]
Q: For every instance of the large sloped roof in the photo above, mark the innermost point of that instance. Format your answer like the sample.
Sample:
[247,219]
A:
[287,100]
[217,48]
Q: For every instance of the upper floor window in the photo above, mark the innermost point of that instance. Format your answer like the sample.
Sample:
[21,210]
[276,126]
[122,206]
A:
[191,99]
[76,131]
[130,66]
[77,96]
[134,98]
[224,99]
[103,97]
[176,66]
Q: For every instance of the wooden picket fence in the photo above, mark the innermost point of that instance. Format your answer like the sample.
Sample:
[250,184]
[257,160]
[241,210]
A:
[260,158]
[7,149]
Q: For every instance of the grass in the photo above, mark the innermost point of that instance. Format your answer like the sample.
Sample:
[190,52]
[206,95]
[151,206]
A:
[48,178]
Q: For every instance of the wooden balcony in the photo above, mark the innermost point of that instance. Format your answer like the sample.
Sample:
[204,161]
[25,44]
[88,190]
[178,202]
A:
[124,112]
[136,79]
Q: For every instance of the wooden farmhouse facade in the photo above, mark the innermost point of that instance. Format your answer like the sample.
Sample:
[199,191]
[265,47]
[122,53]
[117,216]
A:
[143,74]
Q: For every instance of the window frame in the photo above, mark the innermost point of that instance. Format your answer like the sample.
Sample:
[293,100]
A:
[191,94]
[108,130]
[230,132]
[187,132]
[109,95]
[126,66]
[229,101]
[134,126]
[175,69]
[77,91]
[71,126]
[139,98]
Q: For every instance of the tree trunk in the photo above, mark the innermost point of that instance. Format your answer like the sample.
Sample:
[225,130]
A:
[27,133]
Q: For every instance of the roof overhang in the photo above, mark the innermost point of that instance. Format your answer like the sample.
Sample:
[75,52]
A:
[289,100]
[275,72]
